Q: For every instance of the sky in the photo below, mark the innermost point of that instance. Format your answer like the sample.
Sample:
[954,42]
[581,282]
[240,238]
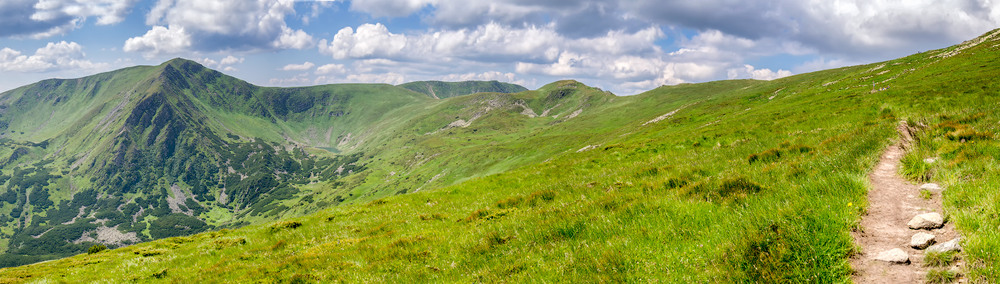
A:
[624,46]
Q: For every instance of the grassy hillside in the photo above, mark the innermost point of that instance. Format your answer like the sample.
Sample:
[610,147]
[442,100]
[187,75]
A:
[444,90]
[730,181]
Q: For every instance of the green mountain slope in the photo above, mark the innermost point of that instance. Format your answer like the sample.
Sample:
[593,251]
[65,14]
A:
[444,90]
[729,181]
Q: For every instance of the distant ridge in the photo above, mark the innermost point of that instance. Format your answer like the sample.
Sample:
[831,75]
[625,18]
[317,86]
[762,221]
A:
[443,90]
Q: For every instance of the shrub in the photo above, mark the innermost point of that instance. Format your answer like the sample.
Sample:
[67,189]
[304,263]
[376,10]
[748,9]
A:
[285,225]
[229,242]
[96,249]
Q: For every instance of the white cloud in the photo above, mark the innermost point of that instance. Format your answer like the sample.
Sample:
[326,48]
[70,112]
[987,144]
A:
[331,69]
[369,41]
[757,74]
[46,18]
[53,56]
[220,25]
[298,67]
[230,60]
[159,41]
[225,63]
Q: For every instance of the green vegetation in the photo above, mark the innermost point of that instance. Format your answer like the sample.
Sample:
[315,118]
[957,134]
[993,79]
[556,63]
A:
[729,181]
[444,90]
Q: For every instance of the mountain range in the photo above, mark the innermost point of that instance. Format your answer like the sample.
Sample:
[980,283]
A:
[191,175]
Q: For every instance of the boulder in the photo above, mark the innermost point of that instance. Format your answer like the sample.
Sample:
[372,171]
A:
[921,240]
[931,187]
[928,221]
[896,256]
[952,245]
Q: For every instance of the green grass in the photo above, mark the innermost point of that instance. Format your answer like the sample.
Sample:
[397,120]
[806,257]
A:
[747,181]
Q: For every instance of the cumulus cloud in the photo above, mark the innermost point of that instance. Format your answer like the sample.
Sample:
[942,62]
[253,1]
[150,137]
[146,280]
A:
[52,57]
[226,63]
[298,67]
[46,18]
[331,69]
[159,41]
[852,27]
[757,74]
[245,25]
[369,41]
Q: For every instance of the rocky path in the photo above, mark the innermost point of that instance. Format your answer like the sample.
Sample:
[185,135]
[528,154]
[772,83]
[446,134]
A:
[890,224]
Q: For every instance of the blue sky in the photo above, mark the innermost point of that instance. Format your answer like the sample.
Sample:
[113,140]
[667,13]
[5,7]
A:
[625,46]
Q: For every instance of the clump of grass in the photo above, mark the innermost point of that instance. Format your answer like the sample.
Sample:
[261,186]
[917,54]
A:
[740,187]
[540,196]
[160,274]
[926,194]
[941,276]
[376,202]
[510,202]
[939,259]
[433,217]
[913,167]
[285,225]
[767,156]
[486,214]
[150,251]
[490,241]
[229,242]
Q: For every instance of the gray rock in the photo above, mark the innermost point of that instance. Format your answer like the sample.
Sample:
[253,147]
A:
[931,187]
[931,220]
[897,256]
[952,245]
[921,240]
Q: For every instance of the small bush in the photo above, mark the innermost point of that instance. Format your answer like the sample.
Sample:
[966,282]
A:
[96,249]
[285,225]
[150,251]
[376,202]
[433,217]
[229,242]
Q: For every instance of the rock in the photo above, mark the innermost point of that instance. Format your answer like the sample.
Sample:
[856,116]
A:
[931,186]
[926,221]
[897,256]
[921,240]
[951,245]
[930,160]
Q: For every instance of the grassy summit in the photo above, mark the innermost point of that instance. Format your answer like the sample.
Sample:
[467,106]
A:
[729,181]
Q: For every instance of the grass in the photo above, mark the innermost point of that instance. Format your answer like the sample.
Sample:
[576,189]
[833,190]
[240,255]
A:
[733,187]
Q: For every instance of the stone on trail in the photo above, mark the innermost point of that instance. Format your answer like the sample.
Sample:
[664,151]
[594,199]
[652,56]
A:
[931,220]
[921,240]
[896,255]
[951,245]
[931,186]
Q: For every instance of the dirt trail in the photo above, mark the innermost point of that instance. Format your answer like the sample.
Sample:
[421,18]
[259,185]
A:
[892,202]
